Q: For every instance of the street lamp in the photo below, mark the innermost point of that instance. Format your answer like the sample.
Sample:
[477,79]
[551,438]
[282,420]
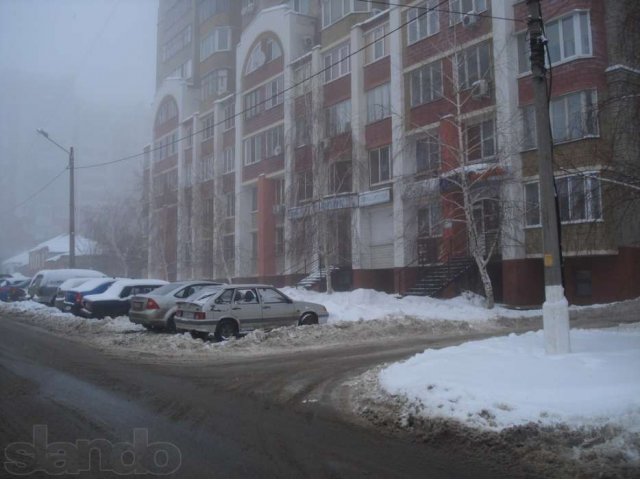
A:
[72,232]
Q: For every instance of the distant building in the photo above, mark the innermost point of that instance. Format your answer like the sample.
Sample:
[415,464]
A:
[319,132]
[54,254]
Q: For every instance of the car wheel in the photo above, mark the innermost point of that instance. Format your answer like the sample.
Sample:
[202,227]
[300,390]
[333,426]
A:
[225,330]
[308,319]
[199,335]
[171,324]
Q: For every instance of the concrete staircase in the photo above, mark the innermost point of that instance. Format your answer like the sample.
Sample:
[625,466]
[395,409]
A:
[437,277]
[316,276]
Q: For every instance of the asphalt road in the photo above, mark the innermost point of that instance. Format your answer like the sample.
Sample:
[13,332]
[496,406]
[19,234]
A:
[72,408]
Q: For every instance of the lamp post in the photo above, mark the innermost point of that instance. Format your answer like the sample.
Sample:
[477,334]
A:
[72,221]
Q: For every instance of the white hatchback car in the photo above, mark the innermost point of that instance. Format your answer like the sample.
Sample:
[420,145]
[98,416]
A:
[236,307]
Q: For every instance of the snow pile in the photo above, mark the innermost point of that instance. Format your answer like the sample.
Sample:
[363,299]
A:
[364,304]
[54,319]
[506,381]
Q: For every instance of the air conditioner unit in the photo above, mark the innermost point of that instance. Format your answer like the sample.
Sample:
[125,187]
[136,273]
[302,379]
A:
[469,19]
[376,11]
[480,88]
[308,43]
[277,150]
[324,143]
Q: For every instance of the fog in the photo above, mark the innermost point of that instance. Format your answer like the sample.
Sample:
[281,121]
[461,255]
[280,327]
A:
[83,71]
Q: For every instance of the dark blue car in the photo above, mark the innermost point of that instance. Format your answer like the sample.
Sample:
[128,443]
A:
[73,298]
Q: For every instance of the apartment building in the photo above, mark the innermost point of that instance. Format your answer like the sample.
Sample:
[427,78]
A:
[389,143]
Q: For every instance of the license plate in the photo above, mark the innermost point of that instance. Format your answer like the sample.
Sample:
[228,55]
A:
[188,314]
[137,305]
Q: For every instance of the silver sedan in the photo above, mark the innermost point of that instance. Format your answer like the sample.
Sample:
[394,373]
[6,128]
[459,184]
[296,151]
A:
[237,307]
[157,309]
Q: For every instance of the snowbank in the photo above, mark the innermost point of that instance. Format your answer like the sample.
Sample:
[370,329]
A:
[363,304]
[506,381]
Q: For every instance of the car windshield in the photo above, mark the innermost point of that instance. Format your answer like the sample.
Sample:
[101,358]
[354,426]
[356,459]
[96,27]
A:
[167,289]
[203,294]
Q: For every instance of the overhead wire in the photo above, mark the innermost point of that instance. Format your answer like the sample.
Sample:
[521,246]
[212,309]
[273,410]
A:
[36,193]
[290,87]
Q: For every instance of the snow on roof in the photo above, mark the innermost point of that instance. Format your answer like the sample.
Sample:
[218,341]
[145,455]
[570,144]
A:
[58,246]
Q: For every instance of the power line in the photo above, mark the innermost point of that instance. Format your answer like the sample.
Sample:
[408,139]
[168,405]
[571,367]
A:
[287,89]
[443,10]
[32,196]
[294,85]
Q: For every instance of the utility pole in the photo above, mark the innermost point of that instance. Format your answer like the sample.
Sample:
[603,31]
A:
[72,204]
[555,310]
[72,212]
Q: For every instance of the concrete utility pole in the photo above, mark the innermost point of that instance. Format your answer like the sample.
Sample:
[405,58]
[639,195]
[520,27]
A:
[555,310]
[72,204]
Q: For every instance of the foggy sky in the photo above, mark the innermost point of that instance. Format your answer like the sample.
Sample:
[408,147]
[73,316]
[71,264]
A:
[83,70]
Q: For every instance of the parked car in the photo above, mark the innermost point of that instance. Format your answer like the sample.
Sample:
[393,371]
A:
[45,283]
[115,300]
[64,287]
[236,307]
[157,309]
[73,297]
[14,290]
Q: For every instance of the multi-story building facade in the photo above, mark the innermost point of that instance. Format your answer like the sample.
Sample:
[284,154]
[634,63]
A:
[294,134]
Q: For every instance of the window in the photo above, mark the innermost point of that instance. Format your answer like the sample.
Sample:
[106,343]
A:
[532,204]
[263,53]
[460,7]
[426,83]
[230,205]
[177,43]
[337,62]
[218,40]
[428,154]
[300,6]
[377,43]
[279,191]
[165,146]
[270,295]
[584,285]
[574,116]
[340,177]
[206,168]
[338,118]
[473,64]
[183,71]
[209,8]
[188,136]
[252,103]
[529,132]
[275,92]
[379,166]
[253,150]
[215,83]
[422,22]
[209,126]
[229,160]
[187,174]
[274,140]
[481,141]
[430,220]
[378,103]
[569,38]
[228,247]
[579,198]
[279,241]
[334,10]
[303,133]
[302,79]
[229,114]
[305,185]
[168,110]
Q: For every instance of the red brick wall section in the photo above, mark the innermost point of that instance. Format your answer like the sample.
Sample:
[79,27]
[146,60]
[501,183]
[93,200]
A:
[523,282]
[268,165]
[377,73]
[266,230]
[264,119]
[378,134]
[337,91]
[382,280]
